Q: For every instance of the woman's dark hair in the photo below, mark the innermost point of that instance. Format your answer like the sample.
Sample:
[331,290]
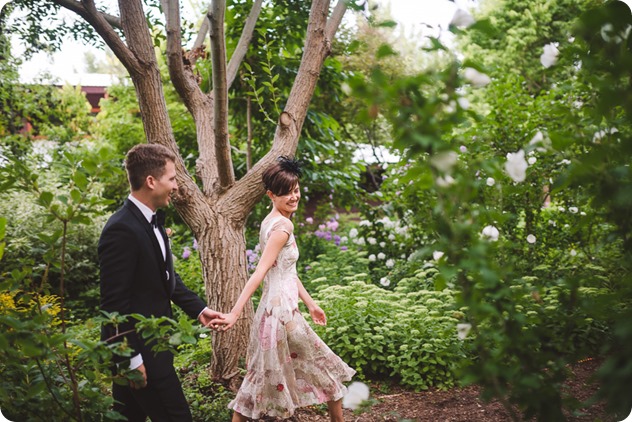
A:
[282,176]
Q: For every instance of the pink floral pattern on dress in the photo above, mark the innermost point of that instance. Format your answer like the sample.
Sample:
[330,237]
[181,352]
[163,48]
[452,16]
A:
[288,365]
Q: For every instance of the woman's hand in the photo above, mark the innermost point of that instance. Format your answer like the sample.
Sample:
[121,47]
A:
[318,315]
[227,321]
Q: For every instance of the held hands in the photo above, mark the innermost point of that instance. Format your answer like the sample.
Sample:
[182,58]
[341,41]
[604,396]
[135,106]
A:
[228,320]
[318,315]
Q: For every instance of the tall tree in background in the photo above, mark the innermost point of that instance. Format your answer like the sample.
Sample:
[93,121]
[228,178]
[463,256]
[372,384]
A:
[213,202]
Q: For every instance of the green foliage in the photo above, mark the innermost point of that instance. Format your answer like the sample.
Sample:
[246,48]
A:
[51,195]
[409,336]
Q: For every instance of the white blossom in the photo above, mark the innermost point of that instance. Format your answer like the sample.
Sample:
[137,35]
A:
[357,392]
[390,263]
[609,35]
[382,244]
[444,161]
[531,160]
[372,257]
[531,239]
[463,330]
[385,282]
[444,181]
[549,57]
[476,78]
[353,233]
[381,255]
[463,102]
[371,240]
[490,181]
[436,255]
[365,223]
[491,233]
[462,19]
[573,210]
[573,252]
[600,134]
[463,149]
[391,236]
[516,166]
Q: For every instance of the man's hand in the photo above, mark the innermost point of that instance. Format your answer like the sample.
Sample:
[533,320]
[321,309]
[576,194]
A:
[209,318]
[139,383]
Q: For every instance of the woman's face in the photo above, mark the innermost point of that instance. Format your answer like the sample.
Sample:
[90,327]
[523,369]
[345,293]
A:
[287,204]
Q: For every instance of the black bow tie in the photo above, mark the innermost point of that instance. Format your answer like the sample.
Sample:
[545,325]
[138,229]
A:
[158,219]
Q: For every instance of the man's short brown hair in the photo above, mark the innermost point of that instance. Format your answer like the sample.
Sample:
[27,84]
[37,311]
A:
[146,160]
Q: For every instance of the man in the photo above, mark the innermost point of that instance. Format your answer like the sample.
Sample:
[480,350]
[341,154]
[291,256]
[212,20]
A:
[137,276]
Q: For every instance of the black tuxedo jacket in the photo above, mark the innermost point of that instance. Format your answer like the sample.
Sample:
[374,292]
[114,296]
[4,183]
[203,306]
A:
[136,279]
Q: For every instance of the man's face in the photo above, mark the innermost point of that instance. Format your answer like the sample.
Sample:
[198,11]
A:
[163,187]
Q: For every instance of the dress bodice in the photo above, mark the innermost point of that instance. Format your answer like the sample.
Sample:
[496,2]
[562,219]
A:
[280,284]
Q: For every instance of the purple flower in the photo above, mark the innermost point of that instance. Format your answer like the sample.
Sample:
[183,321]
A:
[332,225]
[309,220]
[186,253]
[337,240]
[343,248]
[195,244]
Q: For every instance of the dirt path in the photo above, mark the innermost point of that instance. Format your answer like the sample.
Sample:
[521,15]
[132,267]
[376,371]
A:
[459,405]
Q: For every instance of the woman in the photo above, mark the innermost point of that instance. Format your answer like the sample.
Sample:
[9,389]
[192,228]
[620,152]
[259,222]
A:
[288,365]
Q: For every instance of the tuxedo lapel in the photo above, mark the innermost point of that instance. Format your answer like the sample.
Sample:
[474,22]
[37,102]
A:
[166,269]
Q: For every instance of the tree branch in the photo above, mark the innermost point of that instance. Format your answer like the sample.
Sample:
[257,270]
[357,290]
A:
[87,10]
[244,42]
[114,21]
[220,95]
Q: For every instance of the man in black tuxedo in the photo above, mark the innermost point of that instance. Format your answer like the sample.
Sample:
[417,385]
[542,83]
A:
[137,276]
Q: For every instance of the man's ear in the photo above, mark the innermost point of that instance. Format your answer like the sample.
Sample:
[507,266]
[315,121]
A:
[150,182]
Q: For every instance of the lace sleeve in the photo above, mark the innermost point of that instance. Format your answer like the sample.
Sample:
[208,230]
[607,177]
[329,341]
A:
[282,224]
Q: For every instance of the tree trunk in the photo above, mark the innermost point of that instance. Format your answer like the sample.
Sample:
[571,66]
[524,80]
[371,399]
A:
[222,251]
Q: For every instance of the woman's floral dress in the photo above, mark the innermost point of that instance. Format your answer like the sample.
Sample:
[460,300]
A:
[288,365]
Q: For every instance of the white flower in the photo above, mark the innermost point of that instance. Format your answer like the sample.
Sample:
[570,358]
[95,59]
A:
[531,160]
[561,209]
[491,233]
[600,134]
[372,257]
[537,138]
[463,102]
[573,252]
[357,392]
[391,236]
[490,181]
[444,161]
[371,240]
[359,241]
[353,233]
[382,244]
[462,19]
[444,182]
[531,239]
[436,255]
[573,210]
[344,239]
[463,149]
[565,162]
[516,166]
[552,223]
[381,255]
[549,57]
[608,34]
[476,78]
[365,223]
[390,263]
[385,282]
[463,330]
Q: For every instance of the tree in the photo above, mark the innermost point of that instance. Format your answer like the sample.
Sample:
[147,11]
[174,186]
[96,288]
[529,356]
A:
[213,202]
